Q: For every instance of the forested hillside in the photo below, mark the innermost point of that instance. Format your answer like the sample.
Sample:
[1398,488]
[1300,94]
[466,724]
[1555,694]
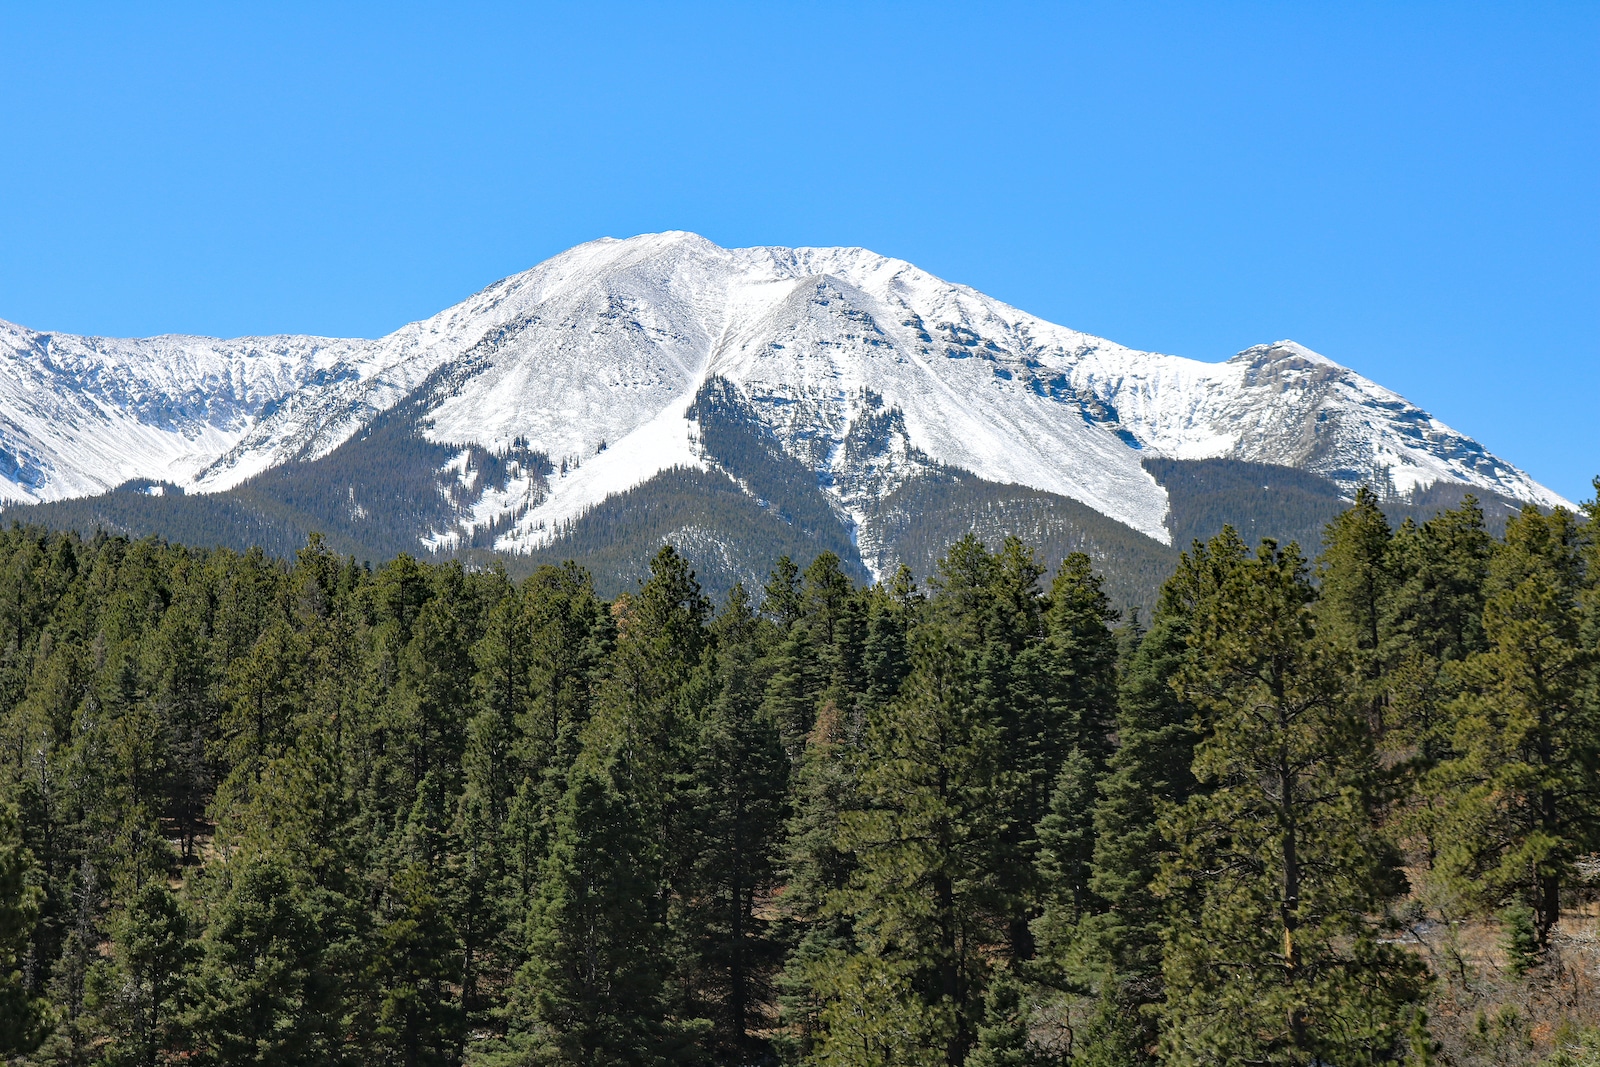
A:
[1347,811]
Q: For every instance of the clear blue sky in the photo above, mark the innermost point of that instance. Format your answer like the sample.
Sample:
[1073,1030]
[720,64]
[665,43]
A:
[1411,189]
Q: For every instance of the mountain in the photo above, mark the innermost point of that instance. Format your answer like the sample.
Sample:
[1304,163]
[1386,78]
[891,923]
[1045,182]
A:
[733,400]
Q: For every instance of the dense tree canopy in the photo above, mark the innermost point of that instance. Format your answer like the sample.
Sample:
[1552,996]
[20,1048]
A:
[321,813]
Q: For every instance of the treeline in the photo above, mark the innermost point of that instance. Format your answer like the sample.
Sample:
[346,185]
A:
[314,813]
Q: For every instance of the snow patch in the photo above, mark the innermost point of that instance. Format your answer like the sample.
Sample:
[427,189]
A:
[596,354]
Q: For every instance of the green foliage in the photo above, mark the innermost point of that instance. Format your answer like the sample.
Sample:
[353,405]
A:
[1066,852]
[417,963]
[1356,582]
[138,995]
[262,993]
[921,519]
[21,1015]
[1523,788]
[1003,1039]
[1432,622]
[818,867]
[1582,1051]
[1269,953]
[1519,938]
[301,810]
[1113,951]
[875,1016]
[135,993]
[592,990]
[1256,499]
[1079,655]
[922,895]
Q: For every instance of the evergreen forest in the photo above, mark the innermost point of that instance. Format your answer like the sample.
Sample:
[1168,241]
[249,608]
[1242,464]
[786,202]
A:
[1340,810]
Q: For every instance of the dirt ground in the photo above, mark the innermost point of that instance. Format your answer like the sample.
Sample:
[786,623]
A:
[1483,1013]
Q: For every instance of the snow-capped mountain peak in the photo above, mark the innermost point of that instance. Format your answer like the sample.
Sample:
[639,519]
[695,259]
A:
[864,369]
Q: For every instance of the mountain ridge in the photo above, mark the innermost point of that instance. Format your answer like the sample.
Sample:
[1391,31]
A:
[561,387]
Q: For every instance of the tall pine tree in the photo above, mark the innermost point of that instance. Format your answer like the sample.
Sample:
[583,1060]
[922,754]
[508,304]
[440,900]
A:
[21,1012]
[923,899]
[1525,780]
[592,991]
[735,805]
[1271,955]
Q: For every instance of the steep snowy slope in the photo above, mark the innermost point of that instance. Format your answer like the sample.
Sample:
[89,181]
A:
[79,415]
[822,341]
[869,372]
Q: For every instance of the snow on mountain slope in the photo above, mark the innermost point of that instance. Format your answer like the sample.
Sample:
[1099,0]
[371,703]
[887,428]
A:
[626,332]
[1282,403]
[80,415]
[864,368]
[820,339]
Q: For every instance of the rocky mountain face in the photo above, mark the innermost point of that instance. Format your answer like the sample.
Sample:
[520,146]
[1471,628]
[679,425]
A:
[739,400]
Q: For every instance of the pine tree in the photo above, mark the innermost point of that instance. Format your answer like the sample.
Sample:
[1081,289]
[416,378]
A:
[1119,944]
[566,639]
[818,866]
[1080,656]
[300,808]
[428,706]
[891,611]
[736,811]
[265,693]
[1435,621]
[1526,777]
[1270,956]
[591,993]
[818,658]
[402,589]
[418,964]
[1106,943]
[481,910]
[1021,685]
[138,994]
[73,1034]
[1082,650]
[1357,584]
[640,721]
[1005,1038]
[181,685]
[501,691]
[794,688]
[988,606]
[830,613]
[491,895]
[22,1019]
[876,1014]
[963,604]
[780,600]
[1066,848]
[261,992]
[923,898]
[422,815]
